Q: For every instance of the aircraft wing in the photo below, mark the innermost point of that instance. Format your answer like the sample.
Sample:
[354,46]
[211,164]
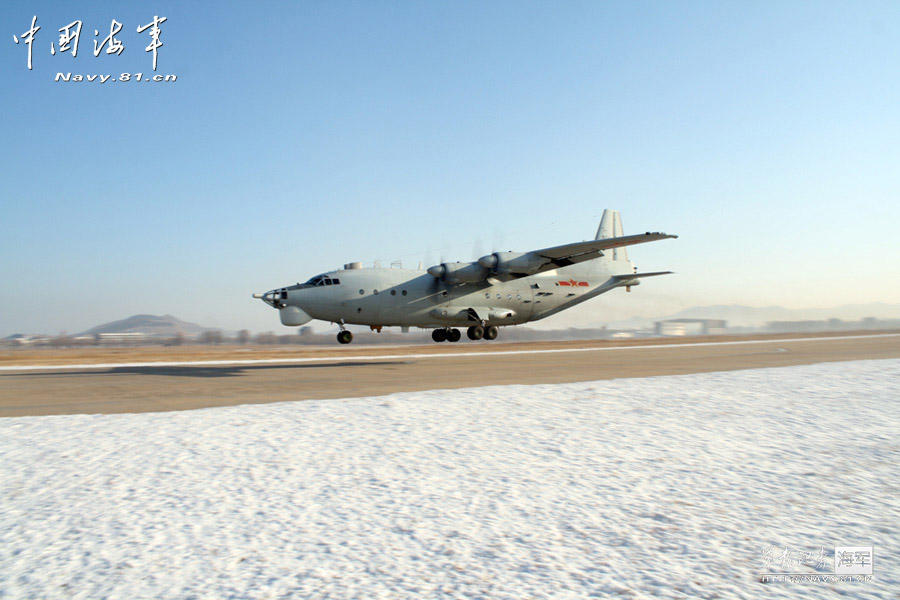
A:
[570,254]
[506,266]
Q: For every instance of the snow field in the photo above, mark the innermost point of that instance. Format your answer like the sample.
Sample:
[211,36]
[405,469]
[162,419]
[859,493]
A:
[665,486]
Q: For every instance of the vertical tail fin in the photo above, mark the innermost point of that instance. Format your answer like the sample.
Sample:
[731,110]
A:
[611,226]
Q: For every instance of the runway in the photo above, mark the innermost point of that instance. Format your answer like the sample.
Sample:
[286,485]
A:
[134,386]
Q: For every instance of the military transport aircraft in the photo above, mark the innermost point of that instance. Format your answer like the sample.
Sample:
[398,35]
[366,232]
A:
[503,288]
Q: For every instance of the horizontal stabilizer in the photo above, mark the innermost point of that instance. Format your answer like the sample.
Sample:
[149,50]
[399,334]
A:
[632,276]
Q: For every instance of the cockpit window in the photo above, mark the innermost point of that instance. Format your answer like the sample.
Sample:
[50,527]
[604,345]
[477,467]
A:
[322,280]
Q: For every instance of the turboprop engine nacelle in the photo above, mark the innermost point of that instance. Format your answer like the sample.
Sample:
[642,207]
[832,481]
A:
[513,262]
[459,272]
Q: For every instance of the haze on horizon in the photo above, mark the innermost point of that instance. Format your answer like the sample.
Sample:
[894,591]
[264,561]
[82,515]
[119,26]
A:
[302,136]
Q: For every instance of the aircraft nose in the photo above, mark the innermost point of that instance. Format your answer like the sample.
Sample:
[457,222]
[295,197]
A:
[272,298]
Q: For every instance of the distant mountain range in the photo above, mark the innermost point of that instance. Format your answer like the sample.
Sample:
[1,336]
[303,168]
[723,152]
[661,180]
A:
[149,324]
[738,315]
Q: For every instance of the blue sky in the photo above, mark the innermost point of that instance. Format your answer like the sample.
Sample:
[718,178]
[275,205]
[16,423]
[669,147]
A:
[303,135]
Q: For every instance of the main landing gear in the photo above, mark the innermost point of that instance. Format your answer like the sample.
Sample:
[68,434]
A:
[475,332]
[446,335]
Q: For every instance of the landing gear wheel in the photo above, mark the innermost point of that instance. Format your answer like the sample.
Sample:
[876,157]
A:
[491,332]
[345,337]
[453,335]
[439,335]
[475,332]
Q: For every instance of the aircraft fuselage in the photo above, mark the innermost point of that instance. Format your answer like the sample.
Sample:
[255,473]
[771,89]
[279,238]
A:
[391,297]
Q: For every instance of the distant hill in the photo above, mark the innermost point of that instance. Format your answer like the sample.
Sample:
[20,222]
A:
[149,324]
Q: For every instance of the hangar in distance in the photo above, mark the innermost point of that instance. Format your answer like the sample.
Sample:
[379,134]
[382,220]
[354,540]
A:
[500,289]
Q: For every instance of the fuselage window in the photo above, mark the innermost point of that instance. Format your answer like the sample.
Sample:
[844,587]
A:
[393,292]
[488,295]
[404,292]
[444,294]
[499,296]
[375,292]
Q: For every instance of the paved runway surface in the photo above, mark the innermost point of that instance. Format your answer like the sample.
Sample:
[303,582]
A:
[151,388]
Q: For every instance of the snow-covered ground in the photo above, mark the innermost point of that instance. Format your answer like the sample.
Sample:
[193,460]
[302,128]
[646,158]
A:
[666,486]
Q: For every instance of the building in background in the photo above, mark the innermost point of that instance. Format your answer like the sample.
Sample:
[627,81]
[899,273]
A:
[684,327]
